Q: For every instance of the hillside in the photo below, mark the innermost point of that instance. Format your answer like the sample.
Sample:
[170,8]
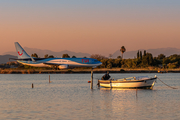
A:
[41,53]
[5,58]
[127,54]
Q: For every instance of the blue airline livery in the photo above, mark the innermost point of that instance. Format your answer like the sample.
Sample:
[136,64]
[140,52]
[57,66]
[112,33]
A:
[61,63]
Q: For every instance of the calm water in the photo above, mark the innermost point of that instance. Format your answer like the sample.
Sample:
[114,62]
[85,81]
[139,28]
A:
[69,97]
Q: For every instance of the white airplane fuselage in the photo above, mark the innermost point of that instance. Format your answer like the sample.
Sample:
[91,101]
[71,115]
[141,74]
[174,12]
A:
[61,63]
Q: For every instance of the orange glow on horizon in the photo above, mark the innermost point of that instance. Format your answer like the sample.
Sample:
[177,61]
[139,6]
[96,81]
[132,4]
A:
[96,31]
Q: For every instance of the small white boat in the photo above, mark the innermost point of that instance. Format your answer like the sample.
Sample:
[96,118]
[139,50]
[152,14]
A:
[143,82]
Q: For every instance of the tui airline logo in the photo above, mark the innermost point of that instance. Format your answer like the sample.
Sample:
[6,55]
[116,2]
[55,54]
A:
[85,60]
[20,53]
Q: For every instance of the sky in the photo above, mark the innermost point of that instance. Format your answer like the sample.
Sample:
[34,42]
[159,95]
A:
[89,26]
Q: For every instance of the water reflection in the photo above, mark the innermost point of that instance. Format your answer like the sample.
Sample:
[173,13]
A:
[70,97]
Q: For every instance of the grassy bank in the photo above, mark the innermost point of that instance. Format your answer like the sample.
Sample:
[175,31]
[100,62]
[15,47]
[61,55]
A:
[96,70]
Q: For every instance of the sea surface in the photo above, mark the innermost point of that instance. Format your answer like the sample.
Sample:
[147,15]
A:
[69,96]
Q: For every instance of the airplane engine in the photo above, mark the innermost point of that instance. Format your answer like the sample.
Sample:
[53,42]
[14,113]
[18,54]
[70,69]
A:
[63,66]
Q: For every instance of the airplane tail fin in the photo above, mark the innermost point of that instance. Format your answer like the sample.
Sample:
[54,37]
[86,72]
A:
[21,53]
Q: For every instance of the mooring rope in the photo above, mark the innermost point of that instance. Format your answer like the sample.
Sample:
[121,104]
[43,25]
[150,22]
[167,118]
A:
[166,84]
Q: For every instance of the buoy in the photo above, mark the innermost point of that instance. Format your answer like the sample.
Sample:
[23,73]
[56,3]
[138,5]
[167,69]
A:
[32,85]
[89,81]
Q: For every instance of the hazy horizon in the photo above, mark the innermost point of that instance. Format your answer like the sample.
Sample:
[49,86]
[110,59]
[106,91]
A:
[94,27]
[128,54]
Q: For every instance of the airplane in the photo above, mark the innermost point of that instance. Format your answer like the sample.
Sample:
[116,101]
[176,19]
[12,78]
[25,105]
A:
[60,63]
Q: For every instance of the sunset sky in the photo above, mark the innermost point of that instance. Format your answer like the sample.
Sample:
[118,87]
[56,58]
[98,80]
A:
[89,26]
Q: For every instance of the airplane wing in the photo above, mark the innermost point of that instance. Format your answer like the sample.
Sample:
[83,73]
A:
[52,64]
[60,66]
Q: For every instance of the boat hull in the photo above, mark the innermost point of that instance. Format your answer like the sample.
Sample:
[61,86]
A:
[132,84]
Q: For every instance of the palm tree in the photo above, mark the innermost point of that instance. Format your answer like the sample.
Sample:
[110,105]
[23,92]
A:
[123,49]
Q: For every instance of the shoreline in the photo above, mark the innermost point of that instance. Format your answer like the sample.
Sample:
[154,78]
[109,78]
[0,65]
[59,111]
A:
[96,70]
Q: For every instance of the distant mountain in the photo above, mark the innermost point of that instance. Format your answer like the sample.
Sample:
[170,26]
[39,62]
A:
[154,52]
[41,53]
[128,54]
[5,58]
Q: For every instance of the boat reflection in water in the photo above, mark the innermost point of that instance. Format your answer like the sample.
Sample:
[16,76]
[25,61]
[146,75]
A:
[140,82]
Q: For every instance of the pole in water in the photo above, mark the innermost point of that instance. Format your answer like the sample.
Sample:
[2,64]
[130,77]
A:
[32,85]
[49,79]
[92,79]
[110,82]
[98,83]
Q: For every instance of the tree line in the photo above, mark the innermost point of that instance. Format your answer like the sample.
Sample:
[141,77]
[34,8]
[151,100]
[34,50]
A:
[143,60]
